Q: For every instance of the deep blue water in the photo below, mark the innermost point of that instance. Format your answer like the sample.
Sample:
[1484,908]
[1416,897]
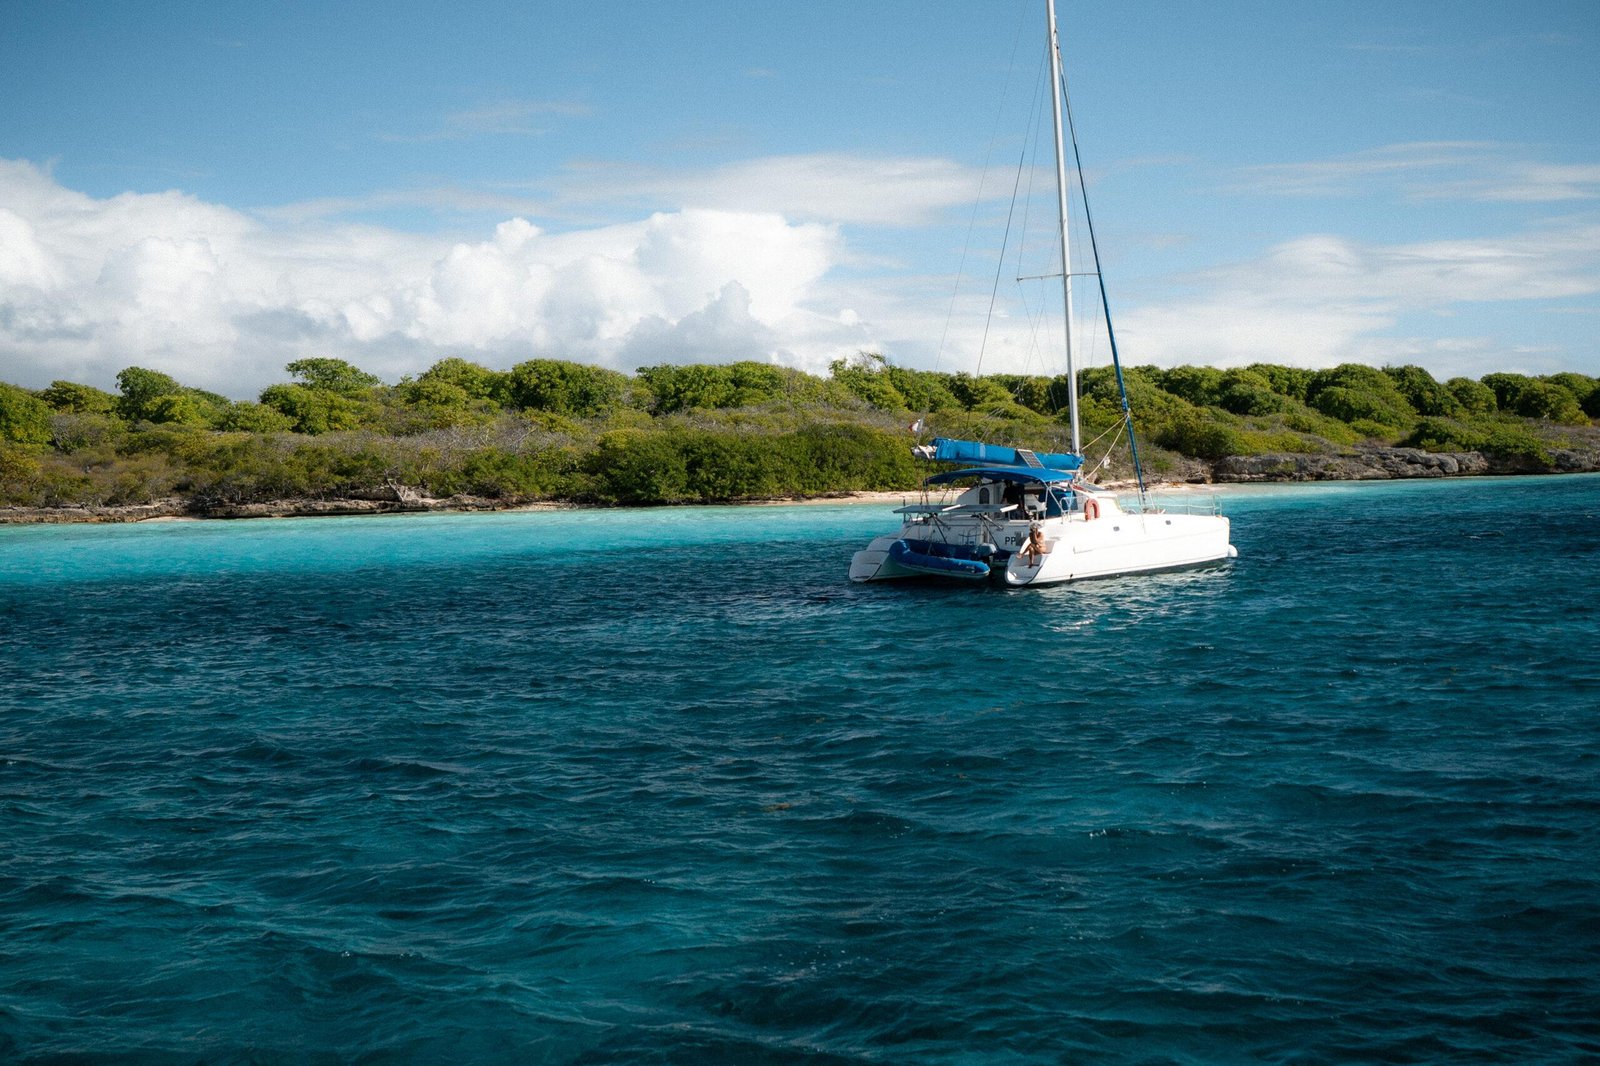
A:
[662,786]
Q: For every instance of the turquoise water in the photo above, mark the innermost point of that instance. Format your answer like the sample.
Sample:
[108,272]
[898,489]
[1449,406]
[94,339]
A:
[662,786]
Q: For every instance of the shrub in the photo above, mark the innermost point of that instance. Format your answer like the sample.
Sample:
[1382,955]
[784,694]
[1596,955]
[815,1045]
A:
[564,388]
[1506,388]
[1193,434]
[923,390]
[477,382]
[730,466]
[756,383]
[247,417]
[332,375]
[1514,442]
[1355,393]
[177,409]
[638,466]
[1474,397]
[1355,405]
[313,411]
[1290,381]
[81,399]
[73,430]
[973,393]
[1535,398]
[1030,391]
[1425,395]
[1585,389]
[1200,385]
[19,476]
[700,433]
[840,456]
[140,388]
[743,384]
[1543,399]
[1098,415]
[498,473]
[438,403]
[870,378]
[1261,442]
[1246,392]
[24,418]
[1011,411]
[1445,435]
[1371,429]
[140,479]
[1320,425]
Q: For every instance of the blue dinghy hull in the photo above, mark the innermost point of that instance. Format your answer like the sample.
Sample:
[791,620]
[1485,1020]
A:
[909,558]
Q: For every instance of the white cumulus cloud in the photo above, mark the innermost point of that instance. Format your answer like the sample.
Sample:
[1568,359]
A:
[223,300]
[1323,299]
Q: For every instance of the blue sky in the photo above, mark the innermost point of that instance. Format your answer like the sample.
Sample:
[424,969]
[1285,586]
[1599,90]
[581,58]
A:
[216,189]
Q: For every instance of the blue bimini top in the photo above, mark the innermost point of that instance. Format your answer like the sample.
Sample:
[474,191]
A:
[948,450]
[1019,475]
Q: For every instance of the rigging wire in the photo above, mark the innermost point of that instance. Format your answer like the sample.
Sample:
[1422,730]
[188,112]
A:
[998,270]
[1035,317]
[1105,304]
[1038,316]
[1005,239]
[994,289]
[977,202]
[972,219]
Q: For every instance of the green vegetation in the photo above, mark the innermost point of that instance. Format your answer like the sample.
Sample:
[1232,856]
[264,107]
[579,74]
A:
[551,429]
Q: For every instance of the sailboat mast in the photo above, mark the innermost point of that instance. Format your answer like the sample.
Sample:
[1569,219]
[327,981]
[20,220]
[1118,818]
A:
[1061,197]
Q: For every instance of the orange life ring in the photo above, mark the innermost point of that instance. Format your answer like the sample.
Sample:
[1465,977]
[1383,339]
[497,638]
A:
[1091,510]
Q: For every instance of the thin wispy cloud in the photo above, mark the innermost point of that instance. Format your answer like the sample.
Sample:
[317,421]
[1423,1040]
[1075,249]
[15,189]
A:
[836,188]
[1527,182]
[828,188]
[1389,48]
[521,118]
[1457,170]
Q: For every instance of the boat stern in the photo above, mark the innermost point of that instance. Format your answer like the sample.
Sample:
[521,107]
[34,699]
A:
[868,563]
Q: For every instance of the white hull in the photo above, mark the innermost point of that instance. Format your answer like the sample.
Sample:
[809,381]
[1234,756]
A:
[1125,544]
[1077,547]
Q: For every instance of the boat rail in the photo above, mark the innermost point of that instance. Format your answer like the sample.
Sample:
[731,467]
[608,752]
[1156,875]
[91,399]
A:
[1203,503]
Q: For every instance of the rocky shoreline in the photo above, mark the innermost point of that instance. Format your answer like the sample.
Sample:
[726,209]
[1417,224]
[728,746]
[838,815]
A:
[1368,465]
[178,507]
[1391,463]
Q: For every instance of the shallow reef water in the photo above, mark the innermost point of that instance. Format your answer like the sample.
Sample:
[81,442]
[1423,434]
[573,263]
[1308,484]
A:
[663,786]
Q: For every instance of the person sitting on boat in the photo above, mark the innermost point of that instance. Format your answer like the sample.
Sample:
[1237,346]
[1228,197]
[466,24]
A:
[1034,548]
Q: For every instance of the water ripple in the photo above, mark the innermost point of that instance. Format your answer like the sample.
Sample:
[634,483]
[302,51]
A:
[444,789]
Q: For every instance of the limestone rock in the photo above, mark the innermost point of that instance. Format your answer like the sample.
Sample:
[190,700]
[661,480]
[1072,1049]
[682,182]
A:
[1365,465]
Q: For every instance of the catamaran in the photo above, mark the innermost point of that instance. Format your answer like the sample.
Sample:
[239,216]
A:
[1031,518]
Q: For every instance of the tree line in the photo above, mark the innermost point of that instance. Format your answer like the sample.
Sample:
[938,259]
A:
[553,429]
